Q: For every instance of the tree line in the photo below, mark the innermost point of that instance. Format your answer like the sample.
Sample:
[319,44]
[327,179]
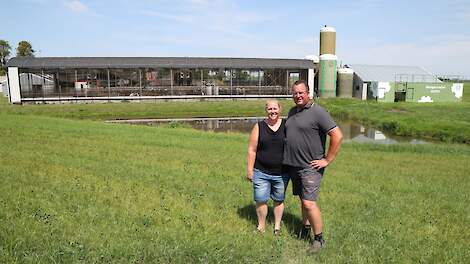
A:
[24,49]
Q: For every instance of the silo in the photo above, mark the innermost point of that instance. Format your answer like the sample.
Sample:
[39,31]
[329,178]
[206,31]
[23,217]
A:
[345,83]
[327,40]
[327,73]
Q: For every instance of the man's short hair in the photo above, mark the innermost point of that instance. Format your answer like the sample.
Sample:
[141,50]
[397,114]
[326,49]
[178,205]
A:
[299,82]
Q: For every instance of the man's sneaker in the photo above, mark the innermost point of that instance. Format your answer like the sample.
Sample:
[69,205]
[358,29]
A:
[277,232]
[316,246]
[306,233]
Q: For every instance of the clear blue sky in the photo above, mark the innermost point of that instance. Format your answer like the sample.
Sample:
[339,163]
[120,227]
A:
[431,34]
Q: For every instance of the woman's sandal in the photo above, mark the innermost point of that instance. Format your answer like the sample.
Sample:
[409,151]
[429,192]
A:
[259,231]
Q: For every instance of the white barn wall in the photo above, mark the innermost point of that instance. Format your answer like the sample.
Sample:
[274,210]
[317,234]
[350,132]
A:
[14,85]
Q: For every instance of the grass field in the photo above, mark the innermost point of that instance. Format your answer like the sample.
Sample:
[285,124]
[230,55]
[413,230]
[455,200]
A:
[75,190]
[448,122]
[84,191]
[466,92]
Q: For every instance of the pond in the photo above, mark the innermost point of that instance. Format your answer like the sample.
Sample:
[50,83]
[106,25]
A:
[352,131]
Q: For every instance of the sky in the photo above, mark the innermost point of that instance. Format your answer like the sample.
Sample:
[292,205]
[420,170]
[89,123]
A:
[434,35]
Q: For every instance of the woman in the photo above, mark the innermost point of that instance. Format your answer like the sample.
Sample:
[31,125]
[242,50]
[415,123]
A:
[265,151]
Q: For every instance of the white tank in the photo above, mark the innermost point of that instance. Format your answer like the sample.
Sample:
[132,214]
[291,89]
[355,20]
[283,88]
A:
[313,58]
[345,83]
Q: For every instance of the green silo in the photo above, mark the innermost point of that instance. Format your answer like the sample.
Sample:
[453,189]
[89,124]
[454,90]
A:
[327,73]
[328,40]
[345,83]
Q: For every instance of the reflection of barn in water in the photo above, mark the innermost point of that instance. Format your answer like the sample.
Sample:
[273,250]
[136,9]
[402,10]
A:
[98,78]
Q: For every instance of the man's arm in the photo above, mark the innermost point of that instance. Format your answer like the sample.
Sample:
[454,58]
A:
[335,143]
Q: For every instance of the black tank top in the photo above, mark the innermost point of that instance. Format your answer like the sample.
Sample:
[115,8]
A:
[269,152]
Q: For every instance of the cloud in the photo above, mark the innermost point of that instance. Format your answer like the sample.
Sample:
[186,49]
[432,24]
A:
[309,40]
[464,16]
[199,2]
[174,18]
[439,55]
[76,6]
[210,17]
[252,17]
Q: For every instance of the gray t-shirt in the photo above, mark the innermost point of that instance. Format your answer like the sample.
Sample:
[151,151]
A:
[306,131]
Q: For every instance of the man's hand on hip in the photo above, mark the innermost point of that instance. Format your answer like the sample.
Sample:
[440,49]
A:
[319,164]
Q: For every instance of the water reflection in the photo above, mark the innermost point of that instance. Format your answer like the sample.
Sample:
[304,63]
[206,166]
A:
[352,131]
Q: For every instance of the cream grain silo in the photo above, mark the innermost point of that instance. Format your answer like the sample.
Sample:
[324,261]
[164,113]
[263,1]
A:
[328,40]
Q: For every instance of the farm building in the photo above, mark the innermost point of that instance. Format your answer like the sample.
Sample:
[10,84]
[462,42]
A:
[129,78]
[387,83]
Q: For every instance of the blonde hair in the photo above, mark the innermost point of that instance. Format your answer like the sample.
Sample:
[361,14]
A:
[274,101]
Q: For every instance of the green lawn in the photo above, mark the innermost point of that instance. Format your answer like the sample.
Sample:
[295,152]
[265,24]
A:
[83,191]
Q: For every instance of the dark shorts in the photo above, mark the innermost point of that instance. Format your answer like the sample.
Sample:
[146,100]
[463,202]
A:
[305,182]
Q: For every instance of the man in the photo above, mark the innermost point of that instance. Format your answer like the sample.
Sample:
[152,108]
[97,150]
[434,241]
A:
[307,126]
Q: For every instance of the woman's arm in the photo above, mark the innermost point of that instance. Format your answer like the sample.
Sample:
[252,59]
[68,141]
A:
[252,146]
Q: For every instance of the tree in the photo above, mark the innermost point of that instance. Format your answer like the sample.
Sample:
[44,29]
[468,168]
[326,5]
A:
[24,49]
[4,54]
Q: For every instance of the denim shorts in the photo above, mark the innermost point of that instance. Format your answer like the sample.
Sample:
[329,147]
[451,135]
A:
[266,185]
